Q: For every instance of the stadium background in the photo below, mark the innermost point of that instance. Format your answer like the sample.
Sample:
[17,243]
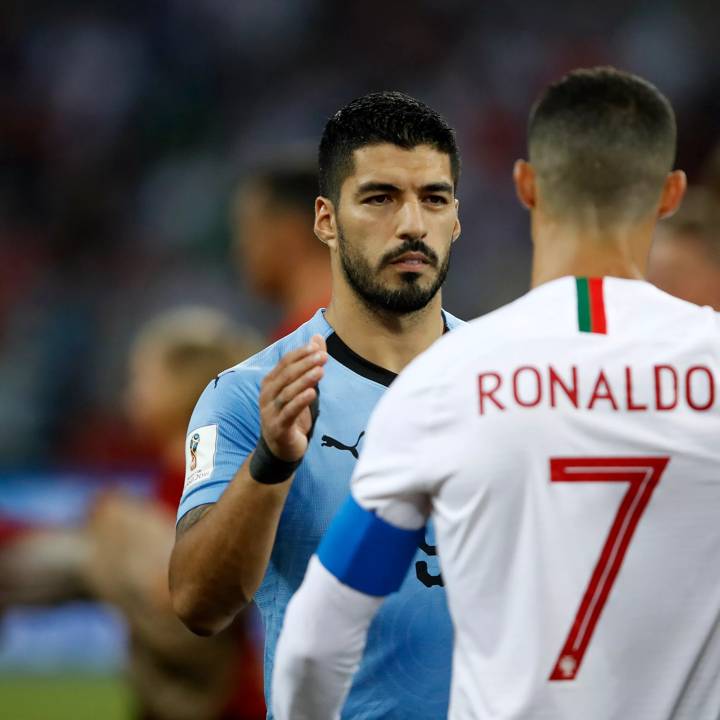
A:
[123,127]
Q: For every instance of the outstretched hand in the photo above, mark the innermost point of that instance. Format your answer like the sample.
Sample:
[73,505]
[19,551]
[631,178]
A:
[286,394]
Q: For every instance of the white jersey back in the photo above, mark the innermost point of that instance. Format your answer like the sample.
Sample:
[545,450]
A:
[571,450]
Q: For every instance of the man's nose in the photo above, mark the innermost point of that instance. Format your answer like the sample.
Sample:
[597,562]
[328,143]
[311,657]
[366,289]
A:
[411,221]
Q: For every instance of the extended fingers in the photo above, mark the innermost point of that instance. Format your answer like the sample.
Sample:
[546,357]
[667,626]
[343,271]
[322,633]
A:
[280,385]
[292,410]
[308,379]
[289,358]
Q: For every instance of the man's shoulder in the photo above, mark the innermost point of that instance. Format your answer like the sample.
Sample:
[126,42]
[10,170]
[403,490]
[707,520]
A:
[546,309]
[509,325]
[235,391]
[267,358]
[498,324]
[248,374]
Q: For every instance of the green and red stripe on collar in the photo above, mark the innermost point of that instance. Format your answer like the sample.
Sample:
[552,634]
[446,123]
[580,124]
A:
[591,305]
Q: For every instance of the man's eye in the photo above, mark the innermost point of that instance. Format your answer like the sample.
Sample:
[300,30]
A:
[377,199]
[436,200]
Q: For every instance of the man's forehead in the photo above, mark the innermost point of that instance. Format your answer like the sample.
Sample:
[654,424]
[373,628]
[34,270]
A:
[390,163]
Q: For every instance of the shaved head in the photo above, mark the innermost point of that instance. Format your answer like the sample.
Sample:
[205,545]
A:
[601,141]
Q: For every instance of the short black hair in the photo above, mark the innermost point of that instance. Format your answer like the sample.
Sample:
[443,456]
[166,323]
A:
[380,117]
[604,138]
[290,180]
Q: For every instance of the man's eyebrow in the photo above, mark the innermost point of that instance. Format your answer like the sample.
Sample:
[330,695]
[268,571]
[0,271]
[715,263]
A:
[438,187]
[377,187]
[390,188]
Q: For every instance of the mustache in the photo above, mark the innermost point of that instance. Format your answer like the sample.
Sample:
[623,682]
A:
[410,246]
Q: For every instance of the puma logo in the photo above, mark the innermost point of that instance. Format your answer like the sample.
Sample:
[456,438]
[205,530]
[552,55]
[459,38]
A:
[422,572]
[328,441]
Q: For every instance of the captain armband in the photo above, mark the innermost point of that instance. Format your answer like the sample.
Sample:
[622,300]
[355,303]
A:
[367,553]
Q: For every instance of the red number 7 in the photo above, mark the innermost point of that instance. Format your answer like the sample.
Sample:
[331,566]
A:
[643,475]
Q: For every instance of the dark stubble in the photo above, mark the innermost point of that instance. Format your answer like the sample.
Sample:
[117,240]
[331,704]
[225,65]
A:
[411,296]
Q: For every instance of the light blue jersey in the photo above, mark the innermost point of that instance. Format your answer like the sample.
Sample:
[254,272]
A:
[405,672]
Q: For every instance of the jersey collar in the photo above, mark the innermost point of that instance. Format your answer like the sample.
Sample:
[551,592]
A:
[350,359]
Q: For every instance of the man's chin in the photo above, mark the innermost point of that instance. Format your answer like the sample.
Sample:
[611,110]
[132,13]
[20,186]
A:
[404,299]
[414,287]
[397,277]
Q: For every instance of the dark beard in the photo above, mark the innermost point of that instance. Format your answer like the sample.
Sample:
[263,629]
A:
[407,299]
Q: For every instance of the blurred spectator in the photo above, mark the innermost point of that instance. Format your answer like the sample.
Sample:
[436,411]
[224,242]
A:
[273,215]
[685,256]
[120,133]
[121,555]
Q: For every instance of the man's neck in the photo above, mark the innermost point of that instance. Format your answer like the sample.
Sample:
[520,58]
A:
[561,250]
[383,338]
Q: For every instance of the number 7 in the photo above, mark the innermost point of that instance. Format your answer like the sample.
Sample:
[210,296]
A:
[643,475]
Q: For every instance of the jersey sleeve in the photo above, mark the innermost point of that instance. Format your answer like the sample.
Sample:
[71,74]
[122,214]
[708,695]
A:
[223,431]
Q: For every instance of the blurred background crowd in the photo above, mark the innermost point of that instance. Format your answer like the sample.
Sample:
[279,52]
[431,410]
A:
[155,156]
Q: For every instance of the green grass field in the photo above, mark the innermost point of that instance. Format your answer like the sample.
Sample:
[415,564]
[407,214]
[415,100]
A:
[64,697]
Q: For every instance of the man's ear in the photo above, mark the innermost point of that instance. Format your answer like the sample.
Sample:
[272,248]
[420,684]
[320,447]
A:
[672,193]
[325,223]
[524,179]
[457,229]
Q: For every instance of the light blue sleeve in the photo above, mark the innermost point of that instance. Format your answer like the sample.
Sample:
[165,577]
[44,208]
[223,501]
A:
[223,431]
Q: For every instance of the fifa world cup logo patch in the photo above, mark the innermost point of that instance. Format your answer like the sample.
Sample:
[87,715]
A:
[194,442]
[200,465]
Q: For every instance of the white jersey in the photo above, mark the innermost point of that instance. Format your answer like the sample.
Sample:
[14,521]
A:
[568,449]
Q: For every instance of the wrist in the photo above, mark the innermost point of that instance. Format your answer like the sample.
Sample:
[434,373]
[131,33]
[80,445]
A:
[267,468]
